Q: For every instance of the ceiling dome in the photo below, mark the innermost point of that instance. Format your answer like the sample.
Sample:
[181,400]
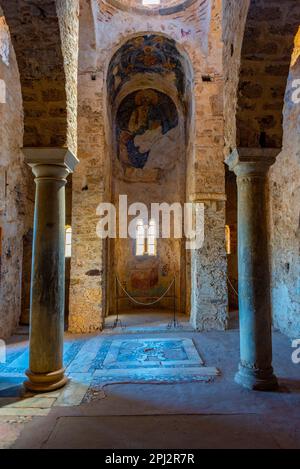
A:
[161,7]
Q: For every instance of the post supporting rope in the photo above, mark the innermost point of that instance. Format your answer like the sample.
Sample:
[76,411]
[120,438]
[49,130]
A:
[118,322]
[140,302]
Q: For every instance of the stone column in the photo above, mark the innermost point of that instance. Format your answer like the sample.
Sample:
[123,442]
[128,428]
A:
[251,166]
[51,166]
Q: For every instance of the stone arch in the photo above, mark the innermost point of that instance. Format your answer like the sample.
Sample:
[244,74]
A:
[268,40]
[197,34]
[284,196]
[185,65]
[265,60]
[47,61]
[16,192]
[45,39]
[161,78]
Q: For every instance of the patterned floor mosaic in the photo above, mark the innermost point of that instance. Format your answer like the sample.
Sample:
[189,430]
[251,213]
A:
[92,363]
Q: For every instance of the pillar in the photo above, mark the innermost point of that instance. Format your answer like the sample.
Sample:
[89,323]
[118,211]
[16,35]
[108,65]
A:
[208,287]
[251,166]
[51,166]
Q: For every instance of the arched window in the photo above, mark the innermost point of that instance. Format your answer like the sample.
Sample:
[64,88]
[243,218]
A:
[68,242]
[140,238]
[151,238]
[146,238]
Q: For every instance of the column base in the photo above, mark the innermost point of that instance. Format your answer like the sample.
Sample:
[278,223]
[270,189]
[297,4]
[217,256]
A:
[45,382]
[256,380]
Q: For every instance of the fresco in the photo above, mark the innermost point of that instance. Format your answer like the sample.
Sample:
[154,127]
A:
[144,54]
[146,122]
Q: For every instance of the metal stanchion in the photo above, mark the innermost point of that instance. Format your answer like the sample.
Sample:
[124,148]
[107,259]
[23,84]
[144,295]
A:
[174,323]
[117,321]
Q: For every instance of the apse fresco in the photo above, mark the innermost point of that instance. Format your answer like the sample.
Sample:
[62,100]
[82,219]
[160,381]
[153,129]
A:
[145,121]
[144,54]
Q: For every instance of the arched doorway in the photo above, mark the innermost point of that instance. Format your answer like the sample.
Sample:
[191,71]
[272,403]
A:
[148,106]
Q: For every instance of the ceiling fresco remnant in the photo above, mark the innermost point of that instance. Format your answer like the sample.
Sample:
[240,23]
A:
[149,53]
[161,7]
[146,121]
[117,13]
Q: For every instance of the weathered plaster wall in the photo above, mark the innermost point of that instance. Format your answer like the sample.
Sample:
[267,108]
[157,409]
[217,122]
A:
[285,215]
[197,32]
[16,190]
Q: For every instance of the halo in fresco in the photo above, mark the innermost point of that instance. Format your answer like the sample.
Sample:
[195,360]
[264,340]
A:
[145,120]
[145,54]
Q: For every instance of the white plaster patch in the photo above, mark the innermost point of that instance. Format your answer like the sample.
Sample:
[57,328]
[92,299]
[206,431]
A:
[4,41]
[2,92]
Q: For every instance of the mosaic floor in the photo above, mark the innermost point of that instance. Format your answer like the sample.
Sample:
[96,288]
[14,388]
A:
[96,361]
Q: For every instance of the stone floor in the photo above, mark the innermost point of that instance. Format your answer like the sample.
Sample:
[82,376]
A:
[129,413]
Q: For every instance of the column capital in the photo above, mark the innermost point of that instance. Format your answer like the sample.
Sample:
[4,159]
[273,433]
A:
[50,162]
[252,161]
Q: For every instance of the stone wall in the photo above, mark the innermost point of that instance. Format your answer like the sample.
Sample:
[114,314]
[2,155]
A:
[285,215]
[256,67]
[233,22]
[197,32]
[68,16]
[266,52]
[161,179]
[36,39]
[44,73]
[16,191]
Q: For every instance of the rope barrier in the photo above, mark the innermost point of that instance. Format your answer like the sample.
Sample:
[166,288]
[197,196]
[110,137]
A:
[140,302]
[232,287]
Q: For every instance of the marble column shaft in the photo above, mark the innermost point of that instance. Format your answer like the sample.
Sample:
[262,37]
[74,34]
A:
[51,166]
[251,166]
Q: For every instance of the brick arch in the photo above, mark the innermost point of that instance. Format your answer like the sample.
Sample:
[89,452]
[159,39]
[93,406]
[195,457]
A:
[266,55]
[38,36]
